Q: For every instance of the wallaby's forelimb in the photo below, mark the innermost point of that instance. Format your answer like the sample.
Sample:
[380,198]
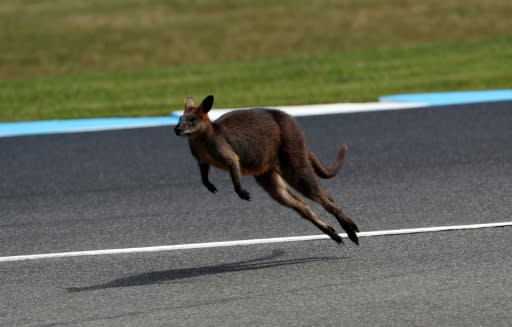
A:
[324,172]
[231,162]
[205,169]
[234,171]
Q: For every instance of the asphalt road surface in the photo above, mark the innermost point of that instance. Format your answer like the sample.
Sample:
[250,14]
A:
[136,188]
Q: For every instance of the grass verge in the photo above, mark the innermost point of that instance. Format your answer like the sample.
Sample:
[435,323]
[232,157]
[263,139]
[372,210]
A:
[348,76]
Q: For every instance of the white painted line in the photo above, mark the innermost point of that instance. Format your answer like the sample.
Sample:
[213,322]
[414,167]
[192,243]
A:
[99,124]
[326,109]
[191,246]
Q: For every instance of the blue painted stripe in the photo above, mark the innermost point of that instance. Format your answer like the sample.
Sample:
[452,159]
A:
[82,125]
[97,124]
[449,98]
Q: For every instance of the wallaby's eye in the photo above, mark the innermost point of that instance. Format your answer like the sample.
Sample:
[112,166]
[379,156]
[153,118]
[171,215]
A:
[192,121]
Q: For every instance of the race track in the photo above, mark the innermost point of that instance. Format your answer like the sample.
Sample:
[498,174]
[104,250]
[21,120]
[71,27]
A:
[438,166]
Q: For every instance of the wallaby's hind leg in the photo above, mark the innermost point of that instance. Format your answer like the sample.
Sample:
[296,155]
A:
[348,224]
[306,183]
[279,190]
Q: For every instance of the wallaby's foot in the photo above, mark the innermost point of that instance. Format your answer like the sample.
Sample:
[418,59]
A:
[211,187]
[329,230]
[243,194]
[337,238]
[348,225]
[333,234]
[351,228]
[353,237]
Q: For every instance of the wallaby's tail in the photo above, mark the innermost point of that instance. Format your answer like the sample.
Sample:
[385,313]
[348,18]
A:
[323,171]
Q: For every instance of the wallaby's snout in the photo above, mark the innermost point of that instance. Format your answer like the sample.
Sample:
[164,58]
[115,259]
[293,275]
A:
[177,130]
[186,126]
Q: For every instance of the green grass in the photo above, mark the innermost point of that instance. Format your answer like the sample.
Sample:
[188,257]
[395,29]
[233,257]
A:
[69,59]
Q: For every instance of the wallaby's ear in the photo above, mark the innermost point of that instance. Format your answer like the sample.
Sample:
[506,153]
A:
[189,103]
[207,104]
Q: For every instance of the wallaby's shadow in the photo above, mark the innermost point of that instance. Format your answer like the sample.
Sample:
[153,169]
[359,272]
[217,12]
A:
[157,277]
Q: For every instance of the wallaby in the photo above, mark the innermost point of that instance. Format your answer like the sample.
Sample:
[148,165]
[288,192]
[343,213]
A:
[269,145]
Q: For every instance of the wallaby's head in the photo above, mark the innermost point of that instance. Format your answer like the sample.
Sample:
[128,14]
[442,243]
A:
[194,120]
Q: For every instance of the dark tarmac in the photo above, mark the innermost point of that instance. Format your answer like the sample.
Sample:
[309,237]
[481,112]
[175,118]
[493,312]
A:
[134,188]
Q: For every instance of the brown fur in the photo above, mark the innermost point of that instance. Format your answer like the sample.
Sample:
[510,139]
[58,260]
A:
[269,145]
